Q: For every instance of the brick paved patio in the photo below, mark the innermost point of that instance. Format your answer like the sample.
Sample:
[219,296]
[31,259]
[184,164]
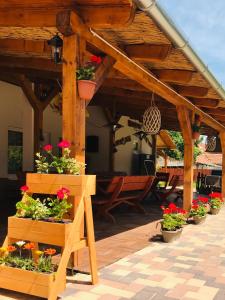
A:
[191,268]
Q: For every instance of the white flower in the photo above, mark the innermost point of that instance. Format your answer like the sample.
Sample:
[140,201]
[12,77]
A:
[20,243]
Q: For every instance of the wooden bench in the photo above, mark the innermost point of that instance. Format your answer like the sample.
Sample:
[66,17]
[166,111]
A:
[130,190]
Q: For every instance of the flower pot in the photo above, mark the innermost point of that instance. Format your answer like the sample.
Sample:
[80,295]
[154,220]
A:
[214,211]
[195,135]
[170,236]
[86,89]
[29,282]
[208,208]
[199,219]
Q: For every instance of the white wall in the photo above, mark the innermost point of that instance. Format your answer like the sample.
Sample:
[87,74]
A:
[95,125]
[123,158]
[15,114]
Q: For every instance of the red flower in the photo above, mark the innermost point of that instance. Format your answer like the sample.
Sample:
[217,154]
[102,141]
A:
[62,193]
[64,144]
[48,148]
[203,199]
[24,188]
[195,201]
[50,251]
[96,59]
[215,195]
[29,246]
[11,248]
[195,207]
[173,207]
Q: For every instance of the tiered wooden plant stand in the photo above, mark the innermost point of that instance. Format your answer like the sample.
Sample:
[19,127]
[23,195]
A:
[67,236]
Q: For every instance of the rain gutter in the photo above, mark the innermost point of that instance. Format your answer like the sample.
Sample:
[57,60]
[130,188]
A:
[153,10]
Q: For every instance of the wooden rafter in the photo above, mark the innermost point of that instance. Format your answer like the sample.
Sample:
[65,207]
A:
[206,102]
[148,52]
[192,91]
[174,76]
[132,69]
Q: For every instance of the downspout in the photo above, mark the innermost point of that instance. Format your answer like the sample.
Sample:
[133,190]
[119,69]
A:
[153,10]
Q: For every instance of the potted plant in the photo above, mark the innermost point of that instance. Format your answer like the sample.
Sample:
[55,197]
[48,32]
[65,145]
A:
[195,131]
[216,202]
[173,220]
[85,76]
[198,211]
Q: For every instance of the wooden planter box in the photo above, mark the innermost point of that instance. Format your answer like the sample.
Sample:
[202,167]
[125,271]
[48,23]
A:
[29,282]
[38,231]
[78,185]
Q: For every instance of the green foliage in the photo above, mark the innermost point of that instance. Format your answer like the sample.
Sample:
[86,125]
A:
[19,262]
[215,203]
[32,208]
[86,73]
[61,165]
[44,264]
[58,207]
[172,222]
[42,164]
[198,210]
[178,154]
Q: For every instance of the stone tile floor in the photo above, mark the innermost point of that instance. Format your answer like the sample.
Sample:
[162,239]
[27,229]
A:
[191,268]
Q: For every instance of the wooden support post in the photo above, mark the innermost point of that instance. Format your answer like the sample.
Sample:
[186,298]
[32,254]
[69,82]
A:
[222,140]
[186,129]
[73,108]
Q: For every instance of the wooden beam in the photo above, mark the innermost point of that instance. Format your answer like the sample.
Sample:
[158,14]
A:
[103,71]
[206,102]
[186,129]
[192,91]
[124,84]
[222,140]
[22,46]
[135,71]
[34,63]
[148,52]
[43,14]
[174,76]
[216,112]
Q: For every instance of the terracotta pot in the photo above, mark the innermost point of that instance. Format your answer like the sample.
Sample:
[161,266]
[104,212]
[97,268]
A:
[170,236]
[208,208]
[195,135]
[214,211]
[198,219]
[86,89]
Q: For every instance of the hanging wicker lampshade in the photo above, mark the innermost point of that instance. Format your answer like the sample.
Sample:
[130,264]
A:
[211,143]
[152,118]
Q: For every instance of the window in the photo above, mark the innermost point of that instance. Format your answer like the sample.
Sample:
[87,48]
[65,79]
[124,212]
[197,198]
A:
[15,151]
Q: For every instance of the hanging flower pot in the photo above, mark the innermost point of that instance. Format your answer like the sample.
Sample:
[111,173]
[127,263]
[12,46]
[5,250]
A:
[85,76]
[152,119]
[86,89]
[195,135]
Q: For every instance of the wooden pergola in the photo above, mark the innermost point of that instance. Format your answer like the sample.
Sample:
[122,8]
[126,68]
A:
[138,59]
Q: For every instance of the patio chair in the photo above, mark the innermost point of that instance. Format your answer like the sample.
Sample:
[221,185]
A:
[129,190]
[164,194]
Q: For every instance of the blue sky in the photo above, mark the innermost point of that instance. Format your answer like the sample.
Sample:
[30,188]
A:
[202,22]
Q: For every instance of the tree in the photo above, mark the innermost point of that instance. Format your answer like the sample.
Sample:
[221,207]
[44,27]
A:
[178,154]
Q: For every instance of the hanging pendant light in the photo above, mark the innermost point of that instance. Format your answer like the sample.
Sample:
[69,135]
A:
[211,144]
[152,118]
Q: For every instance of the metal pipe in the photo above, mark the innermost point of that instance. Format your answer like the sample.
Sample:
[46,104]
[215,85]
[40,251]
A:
[153,10]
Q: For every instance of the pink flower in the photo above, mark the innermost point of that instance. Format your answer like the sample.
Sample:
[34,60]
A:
[48,148]
[24,188]
[63,193]
[64,144]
